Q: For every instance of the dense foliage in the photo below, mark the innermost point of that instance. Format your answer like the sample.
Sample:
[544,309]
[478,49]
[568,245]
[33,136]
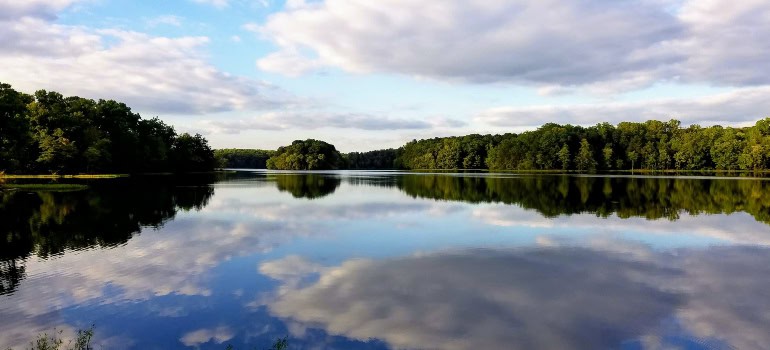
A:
[242,158]
[380,159]
[465,152]
[47,132]
[652,145]
[307,155]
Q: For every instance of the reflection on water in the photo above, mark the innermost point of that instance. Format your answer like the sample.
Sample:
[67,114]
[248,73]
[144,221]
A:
[306,185]
[388,260]
[549,297]
[48,223]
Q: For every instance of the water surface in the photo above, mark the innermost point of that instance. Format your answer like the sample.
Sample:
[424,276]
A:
[387,260]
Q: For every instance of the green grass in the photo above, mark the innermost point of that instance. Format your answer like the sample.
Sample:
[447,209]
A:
[44,187]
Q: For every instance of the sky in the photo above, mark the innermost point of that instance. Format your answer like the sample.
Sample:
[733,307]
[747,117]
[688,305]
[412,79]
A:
[365,75]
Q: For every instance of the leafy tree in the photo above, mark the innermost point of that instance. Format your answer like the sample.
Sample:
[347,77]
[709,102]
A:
[48,132]
[585,158]
[380,159]
[306,155]
[564,157]
[607,156]
[56,151]
[192,153]
[242,158]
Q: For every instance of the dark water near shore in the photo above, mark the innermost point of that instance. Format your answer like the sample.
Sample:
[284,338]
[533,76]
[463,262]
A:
[379,260]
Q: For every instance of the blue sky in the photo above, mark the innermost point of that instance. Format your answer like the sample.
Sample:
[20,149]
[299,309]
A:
[366,75]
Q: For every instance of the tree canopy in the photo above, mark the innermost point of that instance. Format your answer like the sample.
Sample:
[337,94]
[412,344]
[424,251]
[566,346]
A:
[50,133]
[307,155]
[242,158]
[652,145]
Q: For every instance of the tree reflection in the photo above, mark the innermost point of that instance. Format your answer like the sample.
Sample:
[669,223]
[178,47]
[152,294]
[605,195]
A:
[309,186]
[652,198]
[106,215]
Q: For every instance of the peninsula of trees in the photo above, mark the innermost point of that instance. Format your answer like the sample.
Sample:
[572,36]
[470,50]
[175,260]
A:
[651,145]
[49,133]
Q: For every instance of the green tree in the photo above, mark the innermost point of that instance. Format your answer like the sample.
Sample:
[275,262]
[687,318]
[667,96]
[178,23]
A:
[307,155]
[584,160]
[564,157]
[192,153]
[607,156]
[56,151]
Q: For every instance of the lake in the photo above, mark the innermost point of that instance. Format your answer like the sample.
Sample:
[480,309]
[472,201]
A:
[389,260]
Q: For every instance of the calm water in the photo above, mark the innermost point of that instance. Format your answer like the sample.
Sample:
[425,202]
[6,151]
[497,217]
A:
[373,260]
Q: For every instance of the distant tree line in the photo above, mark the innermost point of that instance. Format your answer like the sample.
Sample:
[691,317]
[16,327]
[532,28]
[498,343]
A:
[242,158]
[49,133]
[652,145]
[380,159]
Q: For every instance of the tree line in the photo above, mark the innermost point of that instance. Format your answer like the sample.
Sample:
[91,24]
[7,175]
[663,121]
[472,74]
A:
[650,145]
[47,132]
[242,158]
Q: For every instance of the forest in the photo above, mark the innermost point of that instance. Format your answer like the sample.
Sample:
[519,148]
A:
[242,158]
[651,145]
[47,132]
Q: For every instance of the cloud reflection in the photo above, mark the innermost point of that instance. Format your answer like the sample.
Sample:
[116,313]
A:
[599,296]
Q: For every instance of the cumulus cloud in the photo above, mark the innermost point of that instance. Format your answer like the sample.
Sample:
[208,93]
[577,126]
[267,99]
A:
[478,41]
[553,297]
[156,74]
[613,45]
[742,105]
[309,120]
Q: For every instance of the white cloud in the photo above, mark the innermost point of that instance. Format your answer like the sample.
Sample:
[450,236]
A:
[155,74]
[603,44]
[311,120]
[744,105]
[46,9]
